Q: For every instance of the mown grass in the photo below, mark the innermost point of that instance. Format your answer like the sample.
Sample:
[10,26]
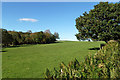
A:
[31,61]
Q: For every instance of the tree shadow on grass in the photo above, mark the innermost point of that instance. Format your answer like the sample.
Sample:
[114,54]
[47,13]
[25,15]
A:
[13,46]
[98,48]
[3,51]
[58,42]
[53,42]
[25,45]
[95,48]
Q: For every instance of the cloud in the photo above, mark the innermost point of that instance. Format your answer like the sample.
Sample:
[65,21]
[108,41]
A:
[28,19]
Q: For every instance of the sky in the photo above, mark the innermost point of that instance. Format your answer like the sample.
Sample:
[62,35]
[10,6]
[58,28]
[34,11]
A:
[40,16]
[59,0]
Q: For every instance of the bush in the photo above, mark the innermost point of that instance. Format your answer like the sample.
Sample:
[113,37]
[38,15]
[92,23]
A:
[103,64]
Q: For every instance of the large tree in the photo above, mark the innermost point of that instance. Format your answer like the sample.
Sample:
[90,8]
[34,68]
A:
[101,23]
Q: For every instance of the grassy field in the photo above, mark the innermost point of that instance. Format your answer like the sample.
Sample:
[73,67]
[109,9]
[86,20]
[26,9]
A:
[31,61]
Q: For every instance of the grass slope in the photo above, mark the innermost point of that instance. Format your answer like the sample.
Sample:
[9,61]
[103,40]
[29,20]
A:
[31,61]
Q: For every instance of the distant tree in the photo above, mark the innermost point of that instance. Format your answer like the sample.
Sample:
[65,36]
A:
[29,31]
[48,36]
[39,37]
[33,37]
[56,35]
[15,42]
[0,37]
[17,39]
[47,31]
[101,23]
[6,38]
[22,37]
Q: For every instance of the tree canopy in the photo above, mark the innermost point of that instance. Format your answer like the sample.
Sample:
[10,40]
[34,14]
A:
[6,37]
[101,23]
[17,38]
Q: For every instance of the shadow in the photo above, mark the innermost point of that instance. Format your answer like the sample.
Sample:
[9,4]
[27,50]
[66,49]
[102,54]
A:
[58,42]
[3,51]
[98,48]
[13,46]
[25,45]
[102,45]
[95,48]
[53,42]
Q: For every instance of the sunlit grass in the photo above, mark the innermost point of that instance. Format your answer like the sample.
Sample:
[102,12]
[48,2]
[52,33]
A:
[31,61]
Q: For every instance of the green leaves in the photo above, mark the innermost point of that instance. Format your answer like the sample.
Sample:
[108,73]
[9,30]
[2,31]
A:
[101,20]
[47,74]
[12,38]
[6,38]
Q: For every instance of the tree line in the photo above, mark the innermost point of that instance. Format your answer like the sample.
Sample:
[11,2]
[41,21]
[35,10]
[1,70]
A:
[12,38]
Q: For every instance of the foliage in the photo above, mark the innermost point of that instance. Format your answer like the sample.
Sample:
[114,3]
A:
[104,64]
[6,37]
[16,38]
[101,23]
[56,35]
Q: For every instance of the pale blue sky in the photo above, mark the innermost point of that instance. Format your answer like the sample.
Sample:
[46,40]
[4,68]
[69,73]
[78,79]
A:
[38,16]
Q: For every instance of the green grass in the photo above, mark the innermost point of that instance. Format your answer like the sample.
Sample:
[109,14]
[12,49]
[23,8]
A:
[31,61]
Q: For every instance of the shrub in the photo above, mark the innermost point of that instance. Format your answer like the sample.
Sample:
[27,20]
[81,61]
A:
[103,64]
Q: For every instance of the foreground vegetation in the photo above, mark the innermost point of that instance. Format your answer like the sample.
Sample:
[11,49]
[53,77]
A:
[103,64]
[31,61]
